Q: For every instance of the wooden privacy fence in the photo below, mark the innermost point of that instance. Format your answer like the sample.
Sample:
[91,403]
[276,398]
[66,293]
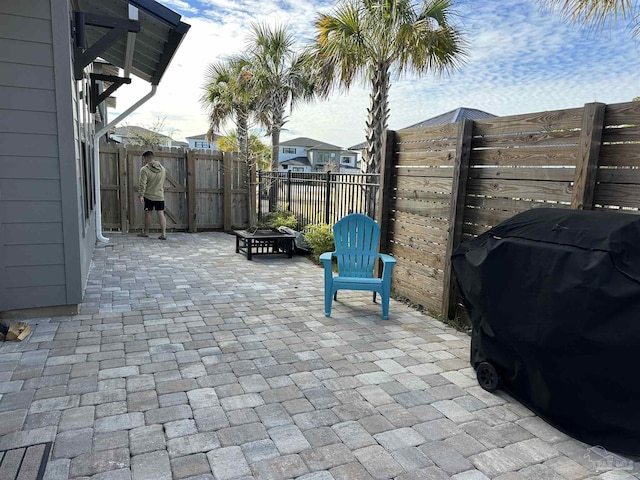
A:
[446,184]
[204,190]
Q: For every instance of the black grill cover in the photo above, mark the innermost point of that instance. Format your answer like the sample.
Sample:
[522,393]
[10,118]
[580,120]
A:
[554,300]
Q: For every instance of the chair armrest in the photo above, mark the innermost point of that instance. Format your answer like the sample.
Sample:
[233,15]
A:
[325,258]
[387,259]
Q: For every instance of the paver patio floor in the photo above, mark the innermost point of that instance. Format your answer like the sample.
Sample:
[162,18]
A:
[188,361]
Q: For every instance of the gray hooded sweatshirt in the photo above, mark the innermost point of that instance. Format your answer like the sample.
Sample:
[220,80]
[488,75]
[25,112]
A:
[152,177]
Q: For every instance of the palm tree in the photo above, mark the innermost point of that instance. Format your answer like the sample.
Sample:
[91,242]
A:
[281,78]
[370,39]
[598,12]
[228,95]
[259,153]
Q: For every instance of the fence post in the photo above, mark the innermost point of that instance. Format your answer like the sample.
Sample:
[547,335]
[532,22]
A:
[260,185]
[385,190]
[227,177]
[191,191]
[132,197]
[327,198]
[289,191]
[456,213]
[122,190]
[588,153]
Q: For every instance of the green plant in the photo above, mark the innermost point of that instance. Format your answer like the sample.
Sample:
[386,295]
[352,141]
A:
[319,237]
[281,219]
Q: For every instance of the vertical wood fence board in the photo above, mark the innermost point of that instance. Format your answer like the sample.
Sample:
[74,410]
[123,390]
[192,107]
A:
[132,176]
[385,189]
[191,191]
[589,149]
[227,182]
[458,195]
[124,198]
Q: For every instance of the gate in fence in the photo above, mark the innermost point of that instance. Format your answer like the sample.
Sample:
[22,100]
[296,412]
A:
[204,190]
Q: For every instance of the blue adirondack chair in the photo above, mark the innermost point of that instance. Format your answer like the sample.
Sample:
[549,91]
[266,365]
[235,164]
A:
[356,239]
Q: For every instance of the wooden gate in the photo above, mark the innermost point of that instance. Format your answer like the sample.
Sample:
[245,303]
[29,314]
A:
[204,190]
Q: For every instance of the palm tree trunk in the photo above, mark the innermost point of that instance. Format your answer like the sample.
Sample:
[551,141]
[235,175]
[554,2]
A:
[378,114]
[276,128]
[242,123]
[243,135]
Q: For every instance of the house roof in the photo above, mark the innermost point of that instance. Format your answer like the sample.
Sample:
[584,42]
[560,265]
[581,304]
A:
[309,144]
[145,53]
[453,116]
[203,136]
[132,130]
[302,161]
[448,117]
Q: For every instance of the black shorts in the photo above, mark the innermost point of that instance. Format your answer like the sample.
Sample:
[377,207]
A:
[153,205]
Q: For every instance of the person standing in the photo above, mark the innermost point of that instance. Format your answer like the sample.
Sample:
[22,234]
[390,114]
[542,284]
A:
[151,191]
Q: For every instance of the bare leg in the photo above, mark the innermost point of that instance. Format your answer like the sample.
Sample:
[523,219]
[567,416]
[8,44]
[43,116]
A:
[163,223]
[147,221]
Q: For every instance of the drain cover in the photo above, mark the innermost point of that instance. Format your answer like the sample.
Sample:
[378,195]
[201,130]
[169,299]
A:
[25,463]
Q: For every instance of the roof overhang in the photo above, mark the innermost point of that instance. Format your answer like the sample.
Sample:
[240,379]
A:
[139,36]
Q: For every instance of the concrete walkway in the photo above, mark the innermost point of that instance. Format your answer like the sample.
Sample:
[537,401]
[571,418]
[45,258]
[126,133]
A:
[188,361]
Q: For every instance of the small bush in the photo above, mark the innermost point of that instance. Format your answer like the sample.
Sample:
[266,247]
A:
[281,219]
[319,237]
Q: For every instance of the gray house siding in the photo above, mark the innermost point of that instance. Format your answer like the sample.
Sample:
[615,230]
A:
[45,237]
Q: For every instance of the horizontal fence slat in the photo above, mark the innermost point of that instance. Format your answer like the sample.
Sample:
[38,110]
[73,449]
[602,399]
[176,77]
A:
[532,190]
[419,255]
[543,156]
[422,208]
[619,155]
[445,171]
[425,134]
[565,174]
[510,204]
[426,159]
[421,221]
[622,114]
[425,184]
[529,122]
[619,175]
[609,194]
[530,140]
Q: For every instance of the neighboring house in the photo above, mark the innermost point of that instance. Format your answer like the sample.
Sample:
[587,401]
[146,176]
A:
[132,134]
[201,142]
[50,94]
[308,155]
[448,117]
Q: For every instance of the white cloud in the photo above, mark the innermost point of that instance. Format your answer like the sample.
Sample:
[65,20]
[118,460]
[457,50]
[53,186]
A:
[522,59]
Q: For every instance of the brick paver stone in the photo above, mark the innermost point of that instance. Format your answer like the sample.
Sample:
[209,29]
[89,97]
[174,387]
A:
[151,466]
[378,462]
[280,468]
[228,463]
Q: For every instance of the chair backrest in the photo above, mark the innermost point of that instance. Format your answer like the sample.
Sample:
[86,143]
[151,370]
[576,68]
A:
[356,239]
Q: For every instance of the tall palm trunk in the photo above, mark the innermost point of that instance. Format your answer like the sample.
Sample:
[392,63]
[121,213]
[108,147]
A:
[273,188]
[378,114]
[242,124]
[276,128]
[242,132]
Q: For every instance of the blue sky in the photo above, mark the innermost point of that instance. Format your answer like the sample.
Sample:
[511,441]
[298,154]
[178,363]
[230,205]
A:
[522,58]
